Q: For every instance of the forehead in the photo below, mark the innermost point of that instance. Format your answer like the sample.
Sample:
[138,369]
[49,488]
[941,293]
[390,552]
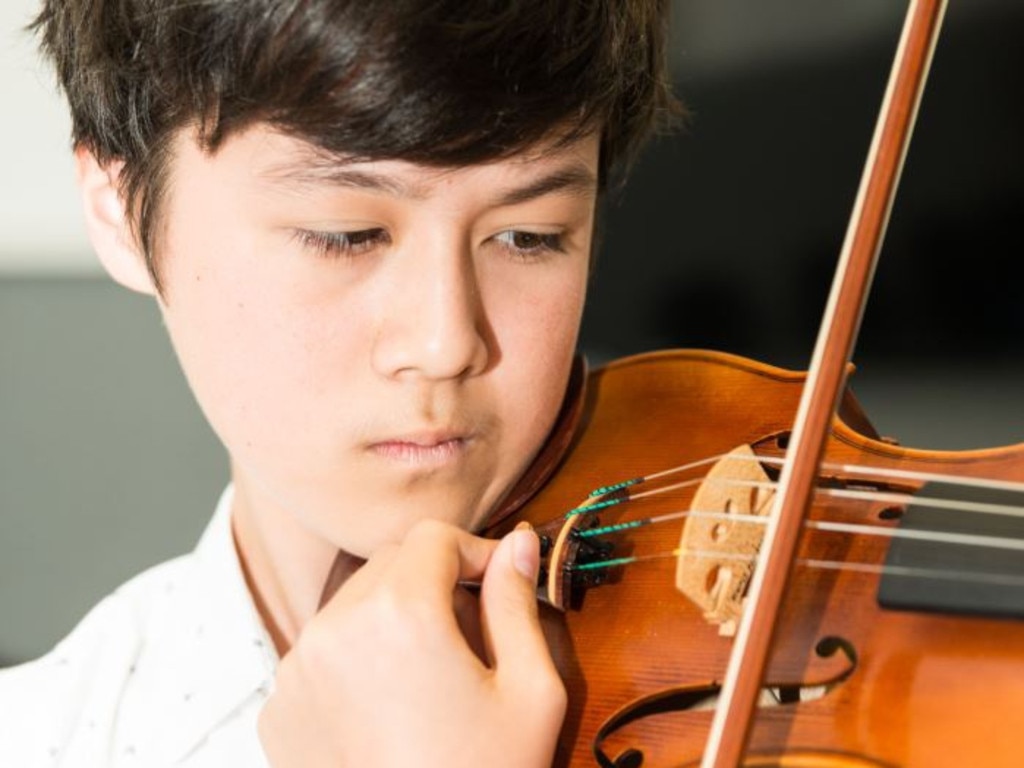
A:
[277,162]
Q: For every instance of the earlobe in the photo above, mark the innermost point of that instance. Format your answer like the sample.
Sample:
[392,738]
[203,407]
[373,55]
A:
[107,224]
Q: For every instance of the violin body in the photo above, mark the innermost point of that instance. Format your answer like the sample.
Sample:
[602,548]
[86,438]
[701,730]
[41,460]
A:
[848,683]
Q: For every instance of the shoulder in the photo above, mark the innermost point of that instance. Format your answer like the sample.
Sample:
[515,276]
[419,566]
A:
[119,626]
[74,690]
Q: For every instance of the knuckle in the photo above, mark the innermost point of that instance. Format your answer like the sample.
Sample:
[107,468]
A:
[550,693]
[386,607]
[394,618]
[429,530]
[317,646]
[544,693]
[559,694]
[385,553]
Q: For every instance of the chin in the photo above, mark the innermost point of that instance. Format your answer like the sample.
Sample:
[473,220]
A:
[363,537]
[381,511]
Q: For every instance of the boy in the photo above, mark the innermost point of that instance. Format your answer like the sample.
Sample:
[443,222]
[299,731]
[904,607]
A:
[368,227]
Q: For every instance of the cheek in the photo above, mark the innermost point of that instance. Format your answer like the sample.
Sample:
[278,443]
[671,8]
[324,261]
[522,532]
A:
[536,336]
[256,359]
[541,323]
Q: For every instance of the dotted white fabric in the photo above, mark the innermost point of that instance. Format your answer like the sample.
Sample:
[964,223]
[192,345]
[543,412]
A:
[171,669]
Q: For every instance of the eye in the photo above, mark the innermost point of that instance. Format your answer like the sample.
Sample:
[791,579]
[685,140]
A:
[530,245]
[334,245]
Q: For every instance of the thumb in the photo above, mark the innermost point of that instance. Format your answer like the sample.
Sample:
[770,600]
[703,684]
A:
[508,605]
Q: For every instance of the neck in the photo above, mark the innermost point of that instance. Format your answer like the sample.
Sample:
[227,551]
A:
[286,566]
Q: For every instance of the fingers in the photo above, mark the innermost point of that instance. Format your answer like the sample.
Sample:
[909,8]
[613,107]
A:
[420,575]
[509,604]
[400,636]
[517,650]
[444,554]
[419,578]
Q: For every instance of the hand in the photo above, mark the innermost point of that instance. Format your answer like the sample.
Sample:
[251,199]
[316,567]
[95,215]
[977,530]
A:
[384,674]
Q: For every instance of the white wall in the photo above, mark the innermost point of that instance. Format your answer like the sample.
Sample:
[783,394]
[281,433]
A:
[40,222]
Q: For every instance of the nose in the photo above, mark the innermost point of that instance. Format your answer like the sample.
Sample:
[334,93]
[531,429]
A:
[433,324]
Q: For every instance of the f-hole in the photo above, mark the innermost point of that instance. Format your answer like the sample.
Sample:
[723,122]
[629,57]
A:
[694,698]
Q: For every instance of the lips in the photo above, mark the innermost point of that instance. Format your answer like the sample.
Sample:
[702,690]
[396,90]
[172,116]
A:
[426,449]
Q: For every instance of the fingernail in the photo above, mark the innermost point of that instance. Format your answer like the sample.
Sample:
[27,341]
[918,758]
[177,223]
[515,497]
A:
[523,525]
[525,552]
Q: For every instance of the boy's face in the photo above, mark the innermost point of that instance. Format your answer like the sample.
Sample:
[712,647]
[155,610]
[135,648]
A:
[381,342]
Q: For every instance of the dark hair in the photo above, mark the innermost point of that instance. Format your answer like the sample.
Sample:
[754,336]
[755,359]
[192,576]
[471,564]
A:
[439,82]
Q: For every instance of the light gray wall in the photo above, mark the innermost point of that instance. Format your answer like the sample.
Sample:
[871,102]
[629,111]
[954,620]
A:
[106,466]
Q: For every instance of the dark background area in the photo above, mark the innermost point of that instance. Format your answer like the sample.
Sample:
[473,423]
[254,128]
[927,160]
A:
[729,231]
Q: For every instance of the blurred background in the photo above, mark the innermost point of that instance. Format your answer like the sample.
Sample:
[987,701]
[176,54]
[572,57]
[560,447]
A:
[725,238]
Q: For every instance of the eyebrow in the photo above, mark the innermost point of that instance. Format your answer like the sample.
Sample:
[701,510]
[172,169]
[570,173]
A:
[574,179]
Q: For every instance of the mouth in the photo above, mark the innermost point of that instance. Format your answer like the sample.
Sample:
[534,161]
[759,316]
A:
[428,450]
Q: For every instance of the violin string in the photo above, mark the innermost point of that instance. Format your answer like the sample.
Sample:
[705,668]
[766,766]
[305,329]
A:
[902,499]
[943,574]
[899,499]
[868,529]
[605,489]
[594,506]
[857,494]
[857,469]
[902,474]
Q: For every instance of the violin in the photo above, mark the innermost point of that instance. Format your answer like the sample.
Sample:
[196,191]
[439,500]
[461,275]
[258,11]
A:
[649,579]
[739,570]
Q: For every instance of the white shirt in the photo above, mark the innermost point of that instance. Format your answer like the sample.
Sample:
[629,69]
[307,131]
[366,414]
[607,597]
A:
[171,669]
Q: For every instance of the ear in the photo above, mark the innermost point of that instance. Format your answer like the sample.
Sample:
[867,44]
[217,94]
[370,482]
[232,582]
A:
[107,223]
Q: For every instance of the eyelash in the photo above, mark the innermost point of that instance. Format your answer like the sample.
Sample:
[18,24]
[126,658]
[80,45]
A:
[540,244]
[343,245]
